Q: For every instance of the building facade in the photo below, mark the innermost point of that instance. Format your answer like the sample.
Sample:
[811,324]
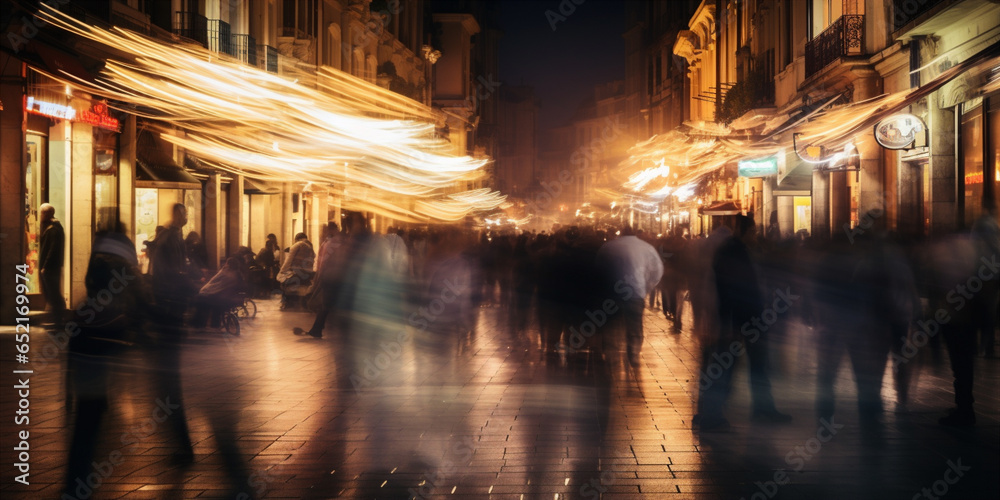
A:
[98,165]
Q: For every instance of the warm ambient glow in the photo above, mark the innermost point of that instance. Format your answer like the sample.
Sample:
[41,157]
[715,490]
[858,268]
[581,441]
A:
[374,148]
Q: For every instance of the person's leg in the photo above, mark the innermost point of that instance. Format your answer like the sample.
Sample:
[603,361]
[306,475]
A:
[91,397]
[901,370]
[961,342]
[760,379]
[633,328]
[828,355]
[52,291]
[714,383]
[167,379]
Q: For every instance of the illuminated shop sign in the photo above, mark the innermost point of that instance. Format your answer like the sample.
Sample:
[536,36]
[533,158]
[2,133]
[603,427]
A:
[899,131]
[761,167]
[973,178]
[97,115]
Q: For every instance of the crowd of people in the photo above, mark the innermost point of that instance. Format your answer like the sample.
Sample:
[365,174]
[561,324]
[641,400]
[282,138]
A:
[577,296]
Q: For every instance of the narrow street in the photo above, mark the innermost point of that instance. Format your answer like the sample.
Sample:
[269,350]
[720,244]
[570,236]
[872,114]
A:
[266,411]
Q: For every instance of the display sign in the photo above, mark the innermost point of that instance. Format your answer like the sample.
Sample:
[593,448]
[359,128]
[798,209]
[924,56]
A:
[761,167]
[899,131]
[97,116]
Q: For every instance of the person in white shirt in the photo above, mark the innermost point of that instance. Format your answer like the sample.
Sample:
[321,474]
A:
[635,269]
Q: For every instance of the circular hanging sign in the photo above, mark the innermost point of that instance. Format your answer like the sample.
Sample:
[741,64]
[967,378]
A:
[899,131]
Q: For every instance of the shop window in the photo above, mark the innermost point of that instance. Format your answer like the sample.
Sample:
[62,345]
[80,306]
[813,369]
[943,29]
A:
[36,182]
[105,179]
[972,159]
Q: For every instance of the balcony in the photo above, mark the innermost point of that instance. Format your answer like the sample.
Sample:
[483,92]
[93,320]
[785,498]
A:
[845,37]
[220,38]
[905,11]
[268,59]
[191,25]
[245,49]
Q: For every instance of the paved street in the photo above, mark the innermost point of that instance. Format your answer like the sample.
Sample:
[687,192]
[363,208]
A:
[272,415]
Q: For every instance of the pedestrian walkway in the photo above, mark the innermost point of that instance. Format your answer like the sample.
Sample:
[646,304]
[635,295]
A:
[272,415]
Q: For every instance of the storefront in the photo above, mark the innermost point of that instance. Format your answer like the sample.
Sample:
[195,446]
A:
[72,148]
[979,139]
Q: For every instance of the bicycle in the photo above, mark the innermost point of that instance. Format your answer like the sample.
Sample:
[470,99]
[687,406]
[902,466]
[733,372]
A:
[230,322]
[247,309]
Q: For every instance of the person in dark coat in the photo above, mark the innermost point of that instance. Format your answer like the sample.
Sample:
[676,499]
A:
[739,301]
[51,255]
[99,339]
[172,289]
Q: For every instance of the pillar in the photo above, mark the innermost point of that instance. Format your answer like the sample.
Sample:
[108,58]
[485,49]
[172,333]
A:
[941,124]
[213,218]
[80,230]
[126,176]
[237,233]
[821,204]
[12,174]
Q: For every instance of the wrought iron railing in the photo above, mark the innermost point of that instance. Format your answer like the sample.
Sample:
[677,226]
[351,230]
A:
[245,49]
[191,25]
[220,38]
[268,59]
[904,11]
[845,37]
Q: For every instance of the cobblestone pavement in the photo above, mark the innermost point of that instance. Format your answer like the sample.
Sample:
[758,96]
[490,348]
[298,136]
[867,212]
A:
[274,415]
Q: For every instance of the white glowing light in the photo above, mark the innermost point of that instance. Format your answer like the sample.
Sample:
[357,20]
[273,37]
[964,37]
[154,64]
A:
[328,127]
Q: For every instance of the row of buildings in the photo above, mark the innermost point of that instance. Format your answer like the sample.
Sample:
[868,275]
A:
[773,107]
[98,160]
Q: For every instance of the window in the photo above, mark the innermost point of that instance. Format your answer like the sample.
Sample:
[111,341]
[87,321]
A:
[298,18]
[823,13]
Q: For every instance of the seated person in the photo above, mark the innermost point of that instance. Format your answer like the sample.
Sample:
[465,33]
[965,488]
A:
[219,294]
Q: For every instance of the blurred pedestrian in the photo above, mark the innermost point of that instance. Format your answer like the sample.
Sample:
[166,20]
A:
[172,288]
[296,272]
[635,268]
[113,279]
[51,254]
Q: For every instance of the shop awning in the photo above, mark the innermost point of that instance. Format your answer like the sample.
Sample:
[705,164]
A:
[722,208]
[798,182]
[157,169]
[163,176]
[258,187]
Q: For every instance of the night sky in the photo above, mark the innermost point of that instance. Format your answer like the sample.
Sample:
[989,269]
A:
[563,65]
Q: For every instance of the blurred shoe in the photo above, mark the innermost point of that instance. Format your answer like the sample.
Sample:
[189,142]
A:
[771,417]
[315,335]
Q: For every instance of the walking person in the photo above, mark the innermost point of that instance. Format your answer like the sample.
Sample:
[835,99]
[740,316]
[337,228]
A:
[635,268]
[739,301]
[102,337]
[172,288]
[51,255]
[324,287]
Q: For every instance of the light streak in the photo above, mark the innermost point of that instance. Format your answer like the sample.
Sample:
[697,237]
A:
[326,127]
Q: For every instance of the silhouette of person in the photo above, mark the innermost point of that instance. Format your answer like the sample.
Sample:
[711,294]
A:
[739,301]
[51,255]
[112,277]
[172,287]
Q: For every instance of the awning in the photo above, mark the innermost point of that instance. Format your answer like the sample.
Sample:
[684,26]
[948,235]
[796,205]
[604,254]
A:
[163,176]
[157,169]
[798,182]
[258,187]
[722,208]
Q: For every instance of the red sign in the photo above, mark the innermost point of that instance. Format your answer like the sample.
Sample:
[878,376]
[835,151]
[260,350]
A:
[97,116]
